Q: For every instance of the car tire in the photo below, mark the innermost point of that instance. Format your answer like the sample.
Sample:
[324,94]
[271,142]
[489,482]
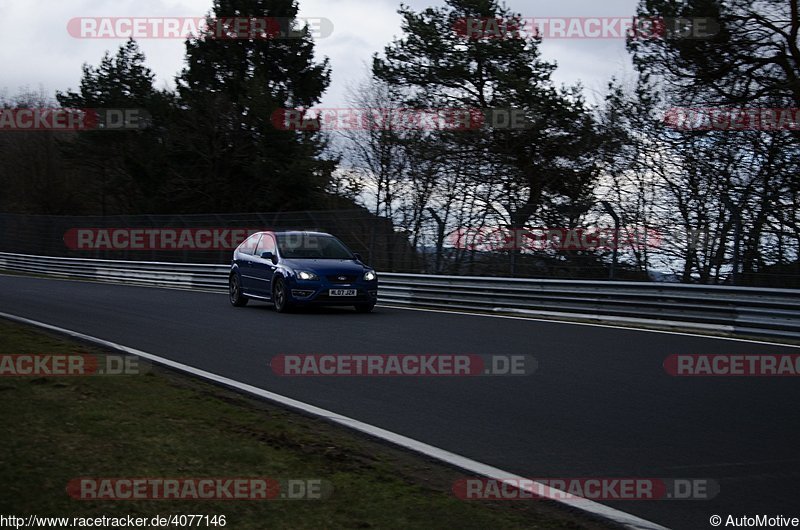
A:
[365,308]
[280,296]
[235,295]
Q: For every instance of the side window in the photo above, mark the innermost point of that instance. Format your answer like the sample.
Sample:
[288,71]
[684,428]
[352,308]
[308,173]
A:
[267,244]
[249,244]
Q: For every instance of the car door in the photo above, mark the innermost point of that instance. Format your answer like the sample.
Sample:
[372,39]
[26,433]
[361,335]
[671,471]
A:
[245,260]
[264,269]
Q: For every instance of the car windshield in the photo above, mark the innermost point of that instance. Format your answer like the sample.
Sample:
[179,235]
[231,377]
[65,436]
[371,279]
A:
[312,246]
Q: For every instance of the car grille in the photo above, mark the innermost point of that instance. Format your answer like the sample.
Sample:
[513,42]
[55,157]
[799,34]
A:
[341,278]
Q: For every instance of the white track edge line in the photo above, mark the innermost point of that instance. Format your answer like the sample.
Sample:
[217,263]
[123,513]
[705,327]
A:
[590,507]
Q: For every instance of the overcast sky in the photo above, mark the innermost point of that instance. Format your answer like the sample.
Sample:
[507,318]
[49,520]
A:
[36,49]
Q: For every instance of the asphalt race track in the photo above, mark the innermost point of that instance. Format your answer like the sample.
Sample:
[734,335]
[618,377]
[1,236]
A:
[599,405]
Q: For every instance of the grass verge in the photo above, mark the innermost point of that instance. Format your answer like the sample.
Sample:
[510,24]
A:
[165,424]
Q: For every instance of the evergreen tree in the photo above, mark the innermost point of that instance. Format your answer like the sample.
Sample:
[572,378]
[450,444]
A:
[229,155]
[126,165]
[439,63]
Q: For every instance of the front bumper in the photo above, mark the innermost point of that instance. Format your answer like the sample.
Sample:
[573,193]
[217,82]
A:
[317,292]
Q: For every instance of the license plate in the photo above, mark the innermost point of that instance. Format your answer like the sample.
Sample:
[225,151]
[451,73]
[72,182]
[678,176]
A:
[342,292]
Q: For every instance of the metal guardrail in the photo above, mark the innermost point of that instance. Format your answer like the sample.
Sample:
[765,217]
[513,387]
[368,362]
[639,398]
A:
[744,310]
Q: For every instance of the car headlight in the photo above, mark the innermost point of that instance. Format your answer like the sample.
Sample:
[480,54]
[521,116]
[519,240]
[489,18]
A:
[370,275]
[305,275]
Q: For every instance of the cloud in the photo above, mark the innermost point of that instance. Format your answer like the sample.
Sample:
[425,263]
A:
[38,51]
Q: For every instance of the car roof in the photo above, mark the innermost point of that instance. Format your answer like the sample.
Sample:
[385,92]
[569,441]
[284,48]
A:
[287,232]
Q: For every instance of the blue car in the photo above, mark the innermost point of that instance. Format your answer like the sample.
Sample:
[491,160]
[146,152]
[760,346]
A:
[294,269]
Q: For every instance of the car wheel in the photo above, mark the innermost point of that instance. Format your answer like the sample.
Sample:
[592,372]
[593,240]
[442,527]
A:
[365,308]
[235,291]
[280,296]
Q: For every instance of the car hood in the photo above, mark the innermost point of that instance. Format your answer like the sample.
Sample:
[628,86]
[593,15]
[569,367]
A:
[326,266]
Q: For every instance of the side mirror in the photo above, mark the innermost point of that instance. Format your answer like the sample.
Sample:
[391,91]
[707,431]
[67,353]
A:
[270,256]
[357,256]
